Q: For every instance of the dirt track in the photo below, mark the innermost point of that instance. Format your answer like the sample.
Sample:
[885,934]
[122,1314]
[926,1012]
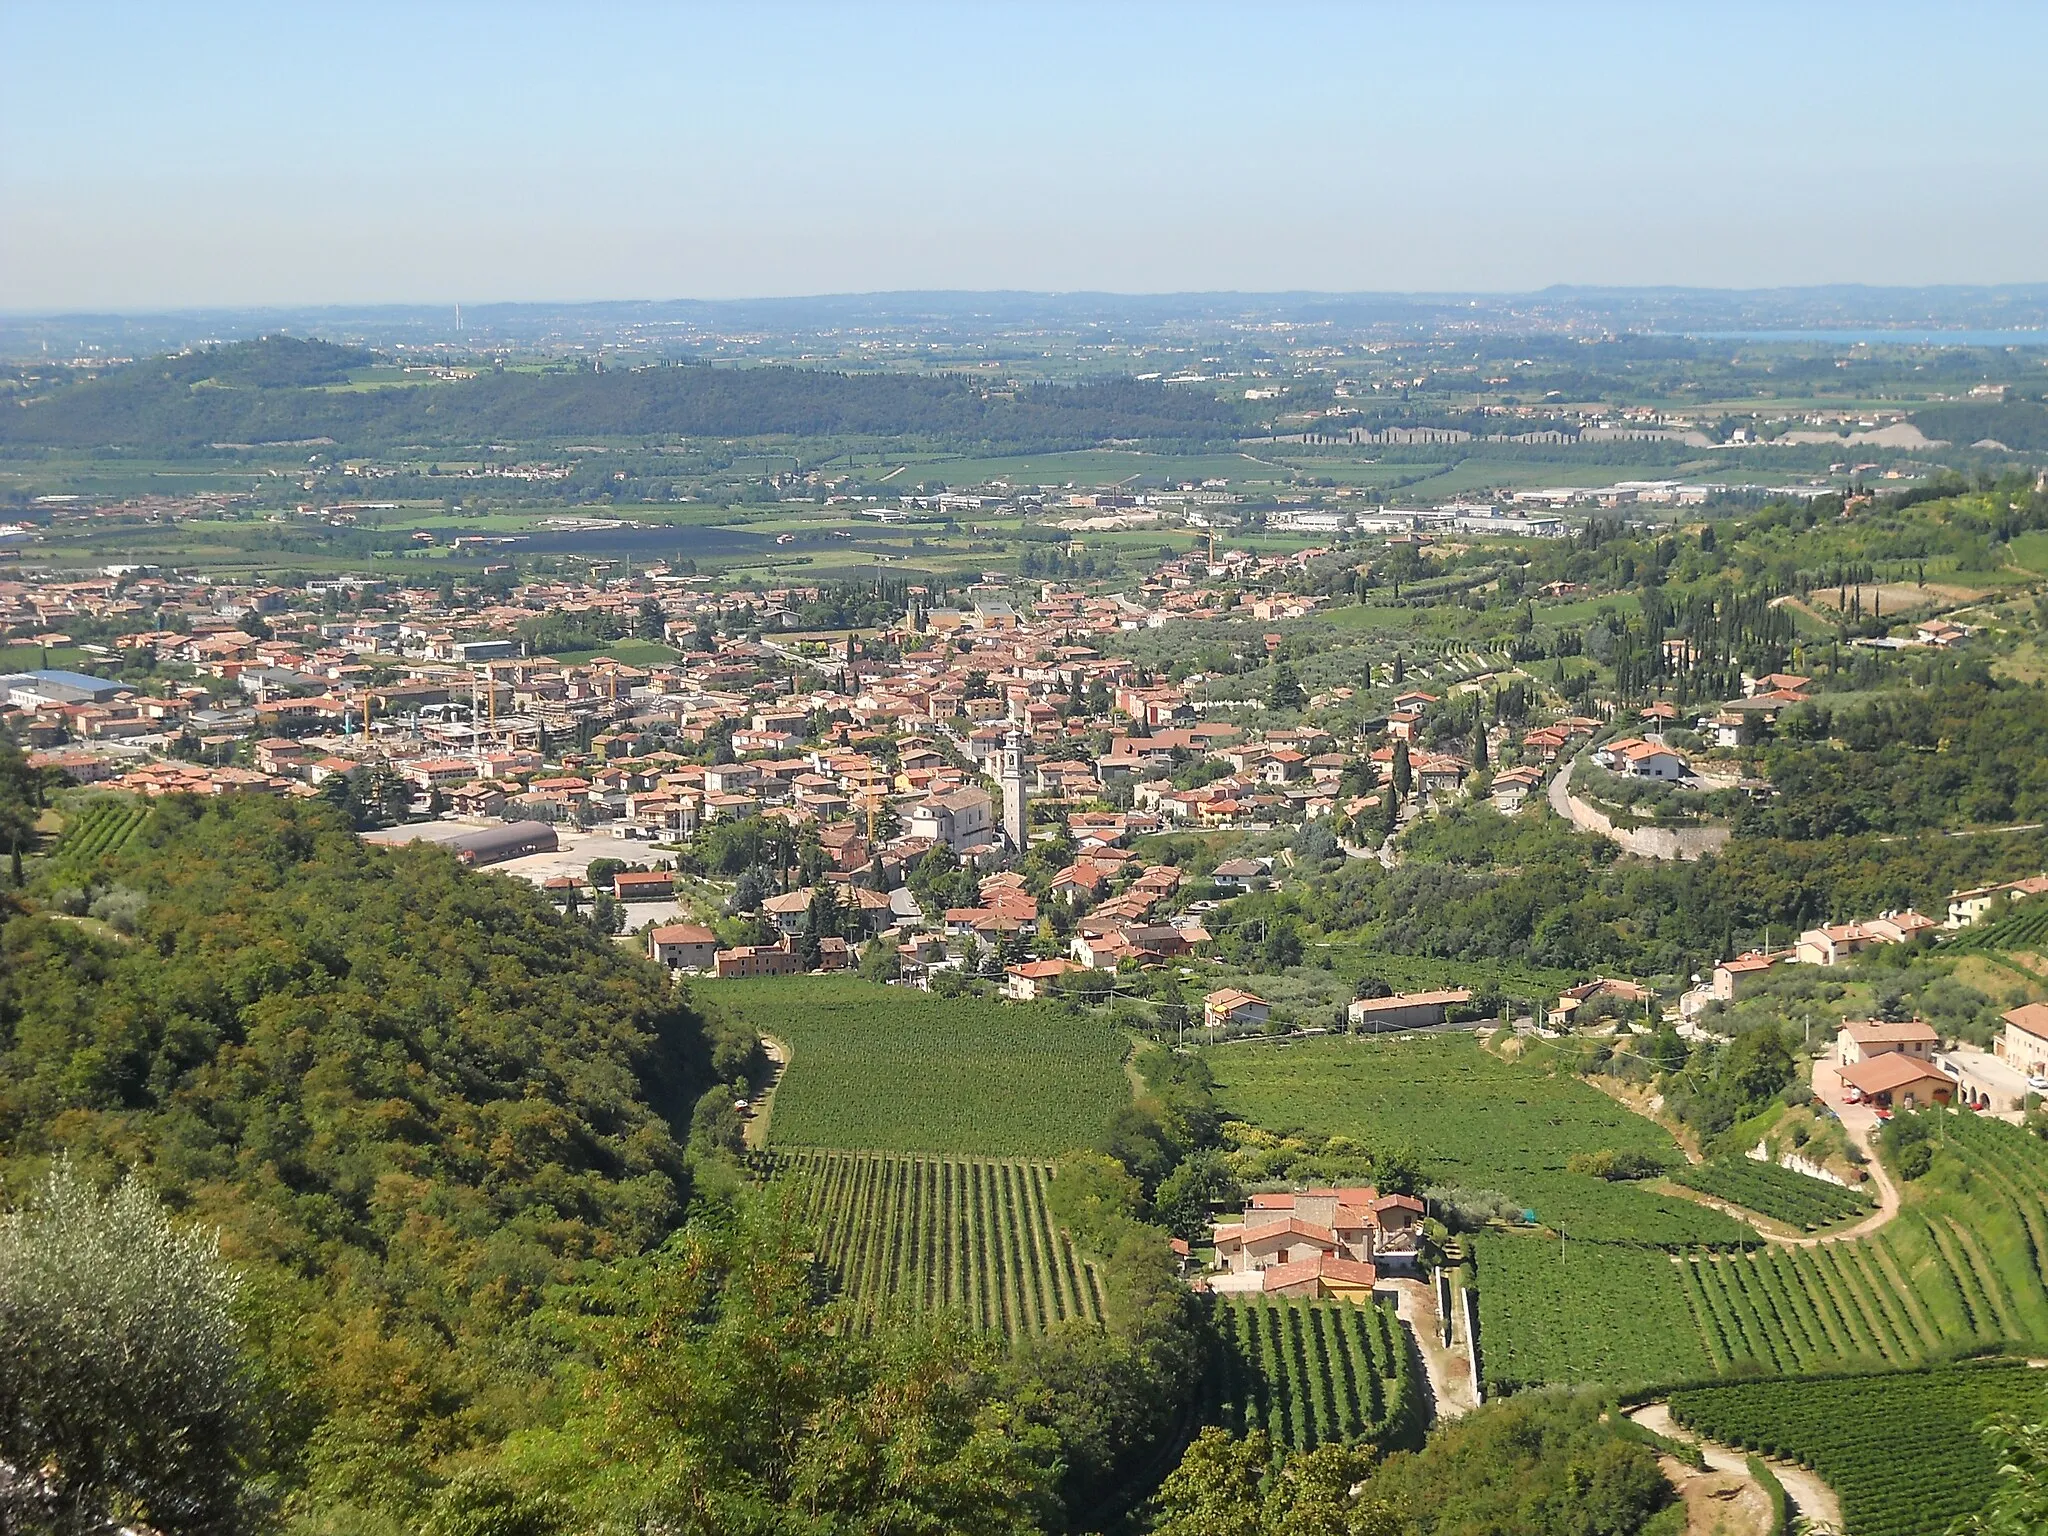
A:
[1810,1496]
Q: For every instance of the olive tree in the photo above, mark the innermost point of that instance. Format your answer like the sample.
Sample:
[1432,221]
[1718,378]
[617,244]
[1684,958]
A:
[124,1390]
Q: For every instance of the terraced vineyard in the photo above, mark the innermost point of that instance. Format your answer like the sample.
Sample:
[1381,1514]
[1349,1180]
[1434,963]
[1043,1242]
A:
[1958,1270]
[1311,1372]
[1901,1450]
[101,828]
[1779,1193]
[933,1232]
[2024,928]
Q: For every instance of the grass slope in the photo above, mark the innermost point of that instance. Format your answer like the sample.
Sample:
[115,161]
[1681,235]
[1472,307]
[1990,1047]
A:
[893,1070]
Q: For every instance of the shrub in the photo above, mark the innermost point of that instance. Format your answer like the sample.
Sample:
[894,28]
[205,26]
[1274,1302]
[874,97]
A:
[124,1368]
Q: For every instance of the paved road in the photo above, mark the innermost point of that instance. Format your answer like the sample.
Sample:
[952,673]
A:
[1561,791]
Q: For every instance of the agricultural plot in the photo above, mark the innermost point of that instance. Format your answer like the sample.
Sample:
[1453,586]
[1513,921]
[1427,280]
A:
[925,1233]
[1779,1193]
[100,829]
[888,1069]
[2024,928]
[1957,1271]
[1901,1450]
[1476,1121]
[1313,1372]
[1552,1311]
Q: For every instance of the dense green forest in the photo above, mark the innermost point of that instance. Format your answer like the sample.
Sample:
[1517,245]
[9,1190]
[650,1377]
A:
[271,391]
[1476,884]
[412,1100]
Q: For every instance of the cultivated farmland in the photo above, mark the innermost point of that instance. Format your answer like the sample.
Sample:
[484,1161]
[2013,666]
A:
[1902,1450]
[1958,1270]
[1476,1121]
[888,1069]
[100,829]
[1779,1193]
[1311,1372]
[1570,1311]
[924,1233]
[2023,928]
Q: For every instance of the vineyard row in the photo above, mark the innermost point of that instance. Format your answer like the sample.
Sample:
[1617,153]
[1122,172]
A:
[1313,1372]
[966,1233]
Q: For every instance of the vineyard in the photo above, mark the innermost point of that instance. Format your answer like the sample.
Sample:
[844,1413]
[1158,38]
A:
[2024,928]
[101,828]
[1779,1193]
[1958,1270]
[944,1232]
[1477,1121]
[890,1069]
[1312,1372]
[1901,1450]
[1569,1311]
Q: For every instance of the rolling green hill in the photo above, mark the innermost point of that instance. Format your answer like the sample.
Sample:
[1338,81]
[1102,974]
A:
[268,392]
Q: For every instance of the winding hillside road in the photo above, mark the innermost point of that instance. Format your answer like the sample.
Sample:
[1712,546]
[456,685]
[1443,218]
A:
[1810,1497]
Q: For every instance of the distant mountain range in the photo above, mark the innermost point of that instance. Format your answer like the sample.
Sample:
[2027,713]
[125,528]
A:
[962,316]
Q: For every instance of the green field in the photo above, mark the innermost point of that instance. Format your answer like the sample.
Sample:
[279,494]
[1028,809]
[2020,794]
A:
[34,658]
[634,653]
[889,1069]
[1566,1311]
[1313,1372]
[1476,1121]
[1779,1193]
[1902,1451]
[970,1234]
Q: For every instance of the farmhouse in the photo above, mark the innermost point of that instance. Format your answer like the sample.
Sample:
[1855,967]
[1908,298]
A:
[1406,1010]
[1832,943]
[1231,1006]
[1734,977]
[1867,1039]
[1034,978]
[756,960]
[1896,1080]
[1966,907]
[1240,874]
[1641,760]
[1322,1276]
[655,885]
[2025,1042]
[1282,1231]
[682,946]
[1513,786]
[1573,999]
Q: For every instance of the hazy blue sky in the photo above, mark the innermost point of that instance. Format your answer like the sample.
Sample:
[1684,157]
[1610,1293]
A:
[352,151]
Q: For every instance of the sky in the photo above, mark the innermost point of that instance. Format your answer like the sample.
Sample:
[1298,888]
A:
[347,151]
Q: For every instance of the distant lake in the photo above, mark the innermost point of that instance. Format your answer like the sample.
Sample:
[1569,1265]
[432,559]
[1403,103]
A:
[2036,338]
